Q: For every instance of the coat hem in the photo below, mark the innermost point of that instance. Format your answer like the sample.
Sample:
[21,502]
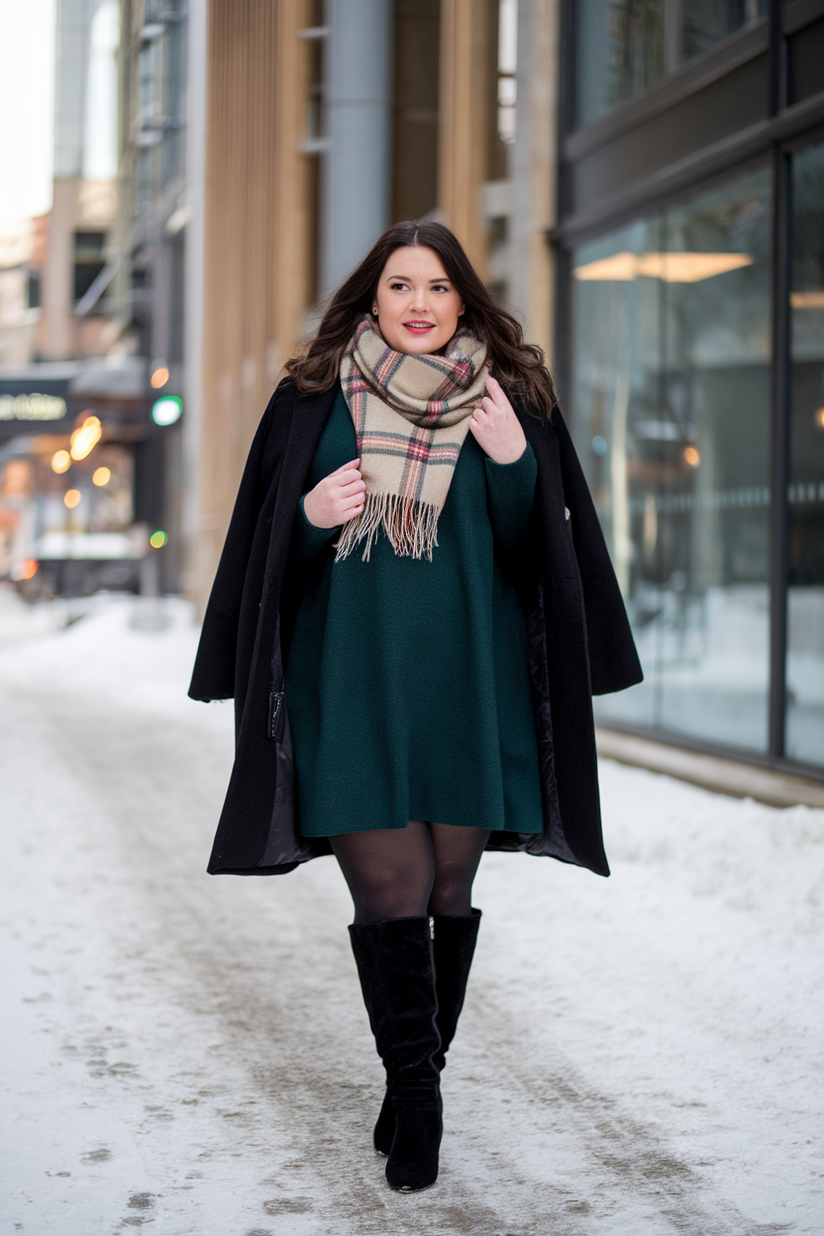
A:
[522,846]
[280,869]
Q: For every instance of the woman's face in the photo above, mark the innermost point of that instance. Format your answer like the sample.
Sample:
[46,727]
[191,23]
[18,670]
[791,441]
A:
[416,305]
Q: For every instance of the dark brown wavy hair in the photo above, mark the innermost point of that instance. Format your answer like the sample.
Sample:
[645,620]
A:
[520,367]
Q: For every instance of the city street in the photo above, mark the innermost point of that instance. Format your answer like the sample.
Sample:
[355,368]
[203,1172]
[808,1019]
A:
[639,1056]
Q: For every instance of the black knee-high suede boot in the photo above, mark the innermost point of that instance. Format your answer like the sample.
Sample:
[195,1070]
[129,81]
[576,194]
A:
[397,975]
[453,948]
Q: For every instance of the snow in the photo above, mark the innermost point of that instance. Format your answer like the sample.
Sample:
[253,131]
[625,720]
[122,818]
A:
[638,1056]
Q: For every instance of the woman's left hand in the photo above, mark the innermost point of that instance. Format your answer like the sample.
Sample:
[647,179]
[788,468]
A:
[495,426]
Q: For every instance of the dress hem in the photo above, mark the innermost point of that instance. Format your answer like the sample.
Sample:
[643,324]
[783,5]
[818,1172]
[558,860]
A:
[342,832]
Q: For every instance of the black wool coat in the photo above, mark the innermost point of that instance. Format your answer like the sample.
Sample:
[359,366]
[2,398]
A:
[579,644]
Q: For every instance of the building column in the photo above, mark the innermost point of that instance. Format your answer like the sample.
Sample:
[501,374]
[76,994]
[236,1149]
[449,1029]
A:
[356,176]
[533,170]
[57,334]
[468,116]
[256,242]
[194,270]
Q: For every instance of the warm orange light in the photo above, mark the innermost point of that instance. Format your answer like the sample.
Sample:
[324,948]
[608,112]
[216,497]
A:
[86,438]
[819,418]
[671,267]
[71,498]
[807,300]
[27,569]
[160,377]
[61,461]
[692,456]
[102,476]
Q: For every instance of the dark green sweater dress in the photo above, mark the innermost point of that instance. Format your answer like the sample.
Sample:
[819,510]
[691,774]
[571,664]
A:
[407,680]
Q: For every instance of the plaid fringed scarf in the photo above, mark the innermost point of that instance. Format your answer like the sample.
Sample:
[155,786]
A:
[411,416]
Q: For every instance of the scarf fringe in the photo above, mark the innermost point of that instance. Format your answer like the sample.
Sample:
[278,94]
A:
[411,527]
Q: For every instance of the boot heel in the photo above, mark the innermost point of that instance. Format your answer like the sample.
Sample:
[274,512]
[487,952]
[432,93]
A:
[384,1126]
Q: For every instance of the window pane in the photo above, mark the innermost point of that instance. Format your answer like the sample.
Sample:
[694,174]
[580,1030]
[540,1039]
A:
[617,381]
[624,46]
[671,414]
[714,530]
[805,637]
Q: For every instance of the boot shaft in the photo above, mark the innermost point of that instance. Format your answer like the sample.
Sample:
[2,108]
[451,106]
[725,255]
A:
[455,937]
[397,975]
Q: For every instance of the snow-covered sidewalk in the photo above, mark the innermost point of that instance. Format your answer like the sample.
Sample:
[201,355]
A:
[639,1056]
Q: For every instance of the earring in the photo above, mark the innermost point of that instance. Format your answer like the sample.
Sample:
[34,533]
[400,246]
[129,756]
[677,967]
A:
[374,311]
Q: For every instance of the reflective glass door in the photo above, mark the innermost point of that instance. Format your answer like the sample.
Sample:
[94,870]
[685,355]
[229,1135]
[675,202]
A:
[805,596]
[671,390]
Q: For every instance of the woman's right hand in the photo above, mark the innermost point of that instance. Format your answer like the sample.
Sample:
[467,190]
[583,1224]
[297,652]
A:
[337,498]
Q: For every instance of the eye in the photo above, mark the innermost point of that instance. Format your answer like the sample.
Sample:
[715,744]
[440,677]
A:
[398,287]
[440,287]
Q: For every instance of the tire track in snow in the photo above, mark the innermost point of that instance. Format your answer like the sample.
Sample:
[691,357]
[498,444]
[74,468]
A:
[262,970]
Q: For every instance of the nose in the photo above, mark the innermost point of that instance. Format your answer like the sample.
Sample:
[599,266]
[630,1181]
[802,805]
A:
[420,299]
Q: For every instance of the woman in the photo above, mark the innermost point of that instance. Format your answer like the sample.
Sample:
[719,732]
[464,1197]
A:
[412,610]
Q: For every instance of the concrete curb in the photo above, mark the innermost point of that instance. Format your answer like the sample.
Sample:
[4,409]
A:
[712,772]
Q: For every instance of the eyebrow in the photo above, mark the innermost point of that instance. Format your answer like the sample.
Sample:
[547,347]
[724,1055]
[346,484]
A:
[408,278]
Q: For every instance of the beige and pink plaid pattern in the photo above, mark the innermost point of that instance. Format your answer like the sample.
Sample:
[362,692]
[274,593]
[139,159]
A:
[411,417]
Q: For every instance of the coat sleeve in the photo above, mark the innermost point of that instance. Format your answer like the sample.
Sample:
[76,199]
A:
[613,659]
[213,677]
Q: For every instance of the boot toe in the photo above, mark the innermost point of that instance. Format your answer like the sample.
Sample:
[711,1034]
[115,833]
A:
[413,1160]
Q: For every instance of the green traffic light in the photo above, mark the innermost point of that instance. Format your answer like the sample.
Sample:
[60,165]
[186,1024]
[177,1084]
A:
[167,409]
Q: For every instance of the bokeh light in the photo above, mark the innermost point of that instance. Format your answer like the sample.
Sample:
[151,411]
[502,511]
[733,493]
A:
[102,476]
[158,539]
[71,498]
[160,377]
[819,418]
[692,456]
[86,438]
[167,410]
[61,461]
[28,569]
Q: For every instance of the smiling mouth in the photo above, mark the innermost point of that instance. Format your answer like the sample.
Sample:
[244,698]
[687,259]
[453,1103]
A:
[419,327]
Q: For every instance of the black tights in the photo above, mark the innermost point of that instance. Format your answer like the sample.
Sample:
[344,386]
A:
[410,872]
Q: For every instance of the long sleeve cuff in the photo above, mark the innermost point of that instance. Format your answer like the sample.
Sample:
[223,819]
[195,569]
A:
[308,541]
[511,490]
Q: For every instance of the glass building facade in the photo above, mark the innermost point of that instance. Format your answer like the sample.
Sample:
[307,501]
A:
[805,491]
[692,349]
[624,46]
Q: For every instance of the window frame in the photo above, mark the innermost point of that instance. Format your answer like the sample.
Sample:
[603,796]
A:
[786,129]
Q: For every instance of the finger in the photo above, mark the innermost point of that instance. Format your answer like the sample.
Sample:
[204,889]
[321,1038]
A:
[346,478]
[498,395]
[352,493]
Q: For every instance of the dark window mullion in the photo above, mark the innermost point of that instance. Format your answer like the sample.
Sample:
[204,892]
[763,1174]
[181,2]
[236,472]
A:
[780,441]
[779,88]
[660,232]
